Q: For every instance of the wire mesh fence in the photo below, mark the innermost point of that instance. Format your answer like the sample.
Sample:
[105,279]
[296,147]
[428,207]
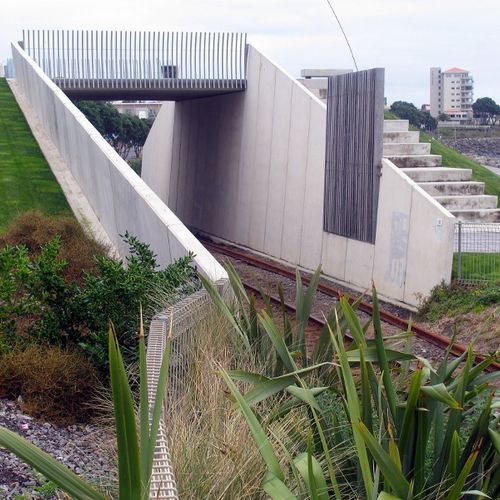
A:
[476,252]
[178,321]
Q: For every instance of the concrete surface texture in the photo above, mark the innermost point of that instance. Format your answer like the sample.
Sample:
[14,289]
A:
[453,187]
[119,198]
[249,168]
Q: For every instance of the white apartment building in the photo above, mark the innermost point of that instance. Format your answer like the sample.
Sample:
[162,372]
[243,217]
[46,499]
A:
[451,93]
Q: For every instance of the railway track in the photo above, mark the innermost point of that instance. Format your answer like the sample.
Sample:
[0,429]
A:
[429,337]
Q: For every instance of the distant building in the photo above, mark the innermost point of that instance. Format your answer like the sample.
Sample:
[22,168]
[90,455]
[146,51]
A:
[316,80]
[142,109]
[451,93]
[7,69]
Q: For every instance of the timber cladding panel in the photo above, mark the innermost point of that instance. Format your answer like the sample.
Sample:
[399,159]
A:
[354,141]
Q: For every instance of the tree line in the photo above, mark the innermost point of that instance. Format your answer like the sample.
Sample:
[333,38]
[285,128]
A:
[485,109]
[124,132]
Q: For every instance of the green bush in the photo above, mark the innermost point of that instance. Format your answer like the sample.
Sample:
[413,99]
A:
[34,230]
[38,305]
[136,439]
[453,299]
[136,165]
[116,292]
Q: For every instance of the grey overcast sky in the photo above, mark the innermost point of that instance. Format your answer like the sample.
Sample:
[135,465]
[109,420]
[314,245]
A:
[406,37]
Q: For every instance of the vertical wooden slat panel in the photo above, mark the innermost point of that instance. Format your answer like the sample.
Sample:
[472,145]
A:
[354,153]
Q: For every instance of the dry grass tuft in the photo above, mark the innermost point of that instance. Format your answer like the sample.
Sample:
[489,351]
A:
[34,230]
[212,450]
[55,384]
[213,453]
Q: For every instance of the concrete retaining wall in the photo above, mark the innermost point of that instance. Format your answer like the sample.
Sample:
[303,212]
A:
[249,168]
[120,199]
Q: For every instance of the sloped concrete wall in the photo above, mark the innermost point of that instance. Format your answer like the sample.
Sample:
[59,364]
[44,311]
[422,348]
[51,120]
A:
[121,200]
[249,168]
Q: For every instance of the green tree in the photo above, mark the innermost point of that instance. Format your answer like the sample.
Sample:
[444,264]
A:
[407,111]
[428,121]
[105,118]
[487,110]
[124,132]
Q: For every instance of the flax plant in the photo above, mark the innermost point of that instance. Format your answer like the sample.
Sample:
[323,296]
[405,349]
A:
[136,442]
[416,431]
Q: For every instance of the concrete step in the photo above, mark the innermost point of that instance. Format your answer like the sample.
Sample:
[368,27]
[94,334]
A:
[414,161]
[401,137]
[413,148]
[452,188]
[467,202]
[438,174]
[396,125]
[488,215]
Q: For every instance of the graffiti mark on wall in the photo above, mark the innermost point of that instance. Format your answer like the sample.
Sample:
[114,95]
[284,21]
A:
[400,225]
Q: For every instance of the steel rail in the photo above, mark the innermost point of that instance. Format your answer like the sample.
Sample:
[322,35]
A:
[387,317]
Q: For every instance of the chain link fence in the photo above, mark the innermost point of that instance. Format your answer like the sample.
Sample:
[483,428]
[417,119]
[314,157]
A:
[476,252]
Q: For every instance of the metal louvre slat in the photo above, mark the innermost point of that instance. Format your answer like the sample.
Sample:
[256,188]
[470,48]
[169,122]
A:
[92,59]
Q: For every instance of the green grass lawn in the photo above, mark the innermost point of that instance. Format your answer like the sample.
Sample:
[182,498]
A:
[26,181]
[478,266]
[452,158]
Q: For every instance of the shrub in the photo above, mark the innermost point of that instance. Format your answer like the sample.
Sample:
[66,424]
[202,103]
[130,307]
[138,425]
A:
[135,439]
[453,299]
[55,384]
[136,165]
[34,230]
[220,461]
[38,304]
[116,292]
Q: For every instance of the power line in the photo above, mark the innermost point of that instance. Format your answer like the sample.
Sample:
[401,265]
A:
[343,32]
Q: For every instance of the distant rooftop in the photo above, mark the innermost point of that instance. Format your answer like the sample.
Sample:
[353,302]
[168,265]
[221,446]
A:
[323,73]
[456,70]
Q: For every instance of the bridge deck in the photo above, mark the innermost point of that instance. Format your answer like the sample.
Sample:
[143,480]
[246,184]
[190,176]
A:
[139,65]
[171,90]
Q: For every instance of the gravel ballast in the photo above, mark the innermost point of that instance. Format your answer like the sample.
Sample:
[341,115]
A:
[85,449]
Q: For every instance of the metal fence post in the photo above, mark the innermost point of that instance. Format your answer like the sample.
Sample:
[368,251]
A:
[459,260]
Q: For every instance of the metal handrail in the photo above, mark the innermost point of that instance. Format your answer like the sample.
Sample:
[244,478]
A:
[76,59]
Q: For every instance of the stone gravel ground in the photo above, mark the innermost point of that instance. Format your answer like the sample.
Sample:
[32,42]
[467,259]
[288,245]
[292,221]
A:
[323,304]
[484,150]
[88,450]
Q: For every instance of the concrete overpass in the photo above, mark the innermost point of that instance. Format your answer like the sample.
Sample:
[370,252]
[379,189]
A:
[139,65]
[254,159]
[243,152]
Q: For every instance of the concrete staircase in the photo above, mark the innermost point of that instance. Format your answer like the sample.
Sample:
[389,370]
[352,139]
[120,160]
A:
[452,187]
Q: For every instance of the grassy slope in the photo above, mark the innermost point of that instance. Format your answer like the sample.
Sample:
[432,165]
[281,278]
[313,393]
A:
[26,181]
[452,158]
[478,266]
